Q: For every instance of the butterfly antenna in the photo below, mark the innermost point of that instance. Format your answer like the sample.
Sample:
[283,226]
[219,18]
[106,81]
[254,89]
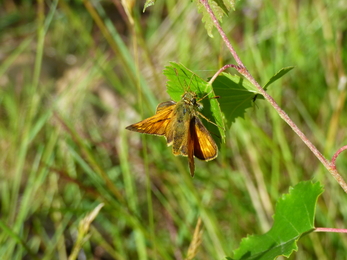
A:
[188,85]
[208,120]
[190,81]
[179,79]
[207,95]
[216,135]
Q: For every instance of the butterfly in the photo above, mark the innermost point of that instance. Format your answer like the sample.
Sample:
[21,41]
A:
[179,122]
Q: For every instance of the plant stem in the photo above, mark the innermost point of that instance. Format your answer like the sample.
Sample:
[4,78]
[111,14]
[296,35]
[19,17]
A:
[333,160]
[335,230]
[223,69]
[244,72]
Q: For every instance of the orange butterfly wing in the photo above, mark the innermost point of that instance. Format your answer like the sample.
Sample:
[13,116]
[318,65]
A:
[157,124]
[205,147]
[162,106]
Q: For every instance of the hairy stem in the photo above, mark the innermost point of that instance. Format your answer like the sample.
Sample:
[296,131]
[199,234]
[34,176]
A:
[244,72]
[335,230]
[223,69]
[333,160]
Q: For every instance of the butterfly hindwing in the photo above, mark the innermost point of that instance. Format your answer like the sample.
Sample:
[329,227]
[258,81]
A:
[205,147]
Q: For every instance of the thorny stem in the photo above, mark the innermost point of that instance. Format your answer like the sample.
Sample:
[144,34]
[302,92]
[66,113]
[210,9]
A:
[330,166]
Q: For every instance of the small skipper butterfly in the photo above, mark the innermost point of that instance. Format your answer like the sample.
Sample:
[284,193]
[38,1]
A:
[180,124]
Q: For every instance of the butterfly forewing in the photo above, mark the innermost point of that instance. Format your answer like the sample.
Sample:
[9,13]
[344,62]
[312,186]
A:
[157,124]
[162,106]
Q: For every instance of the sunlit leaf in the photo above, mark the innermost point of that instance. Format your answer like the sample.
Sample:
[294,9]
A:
[278,75]
[220,8]
[236,96]
[229,4]
[275,77]
[294,217]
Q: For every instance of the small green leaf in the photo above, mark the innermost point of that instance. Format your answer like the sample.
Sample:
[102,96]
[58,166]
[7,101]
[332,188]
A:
[222,5]
[278,75]
[275,77]
[236,96]
[148,4]
[206,19]
[181,80]
[220,8]
[230,4]
[294,217]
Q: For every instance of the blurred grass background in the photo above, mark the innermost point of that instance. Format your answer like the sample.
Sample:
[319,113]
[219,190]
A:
[74,74]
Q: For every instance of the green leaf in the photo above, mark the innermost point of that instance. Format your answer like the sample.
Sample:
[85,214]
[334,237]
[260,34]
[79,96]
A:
[181,80]
[294,217]
[220,8]
[206,19]
[148,4]
[277,76]
[221,4]
[226,5]
[236,96]
[230,5]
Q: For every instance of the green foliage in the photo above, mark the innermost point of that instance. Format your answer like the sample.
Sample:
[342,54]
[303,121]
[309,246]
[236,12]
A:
[229,4]
[234,93]
[181,80]
[294,217]
[236,96]
[219,7]
[277,76]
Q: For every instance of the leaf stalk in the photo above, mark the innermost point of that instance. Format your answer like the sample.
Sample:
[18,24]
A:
[335,230]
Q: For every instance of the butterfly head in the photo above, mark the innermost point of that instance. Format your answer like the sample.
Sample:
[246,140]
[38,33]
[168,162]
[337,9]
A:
[190,99]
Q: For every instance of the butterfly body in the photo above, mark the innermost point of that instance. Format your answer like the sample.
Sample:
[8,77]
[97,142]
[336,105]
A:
[180,124]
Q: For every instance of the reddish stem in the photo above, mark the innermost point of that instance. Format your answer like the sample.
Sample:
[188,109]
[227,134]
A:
[337,154]
[335,230]
[223,69]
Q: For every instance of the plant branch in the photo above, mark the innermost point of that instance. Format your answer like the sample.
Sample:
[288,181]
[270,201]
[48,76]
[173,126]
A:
[333,160]
[243,71]
[223,69]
